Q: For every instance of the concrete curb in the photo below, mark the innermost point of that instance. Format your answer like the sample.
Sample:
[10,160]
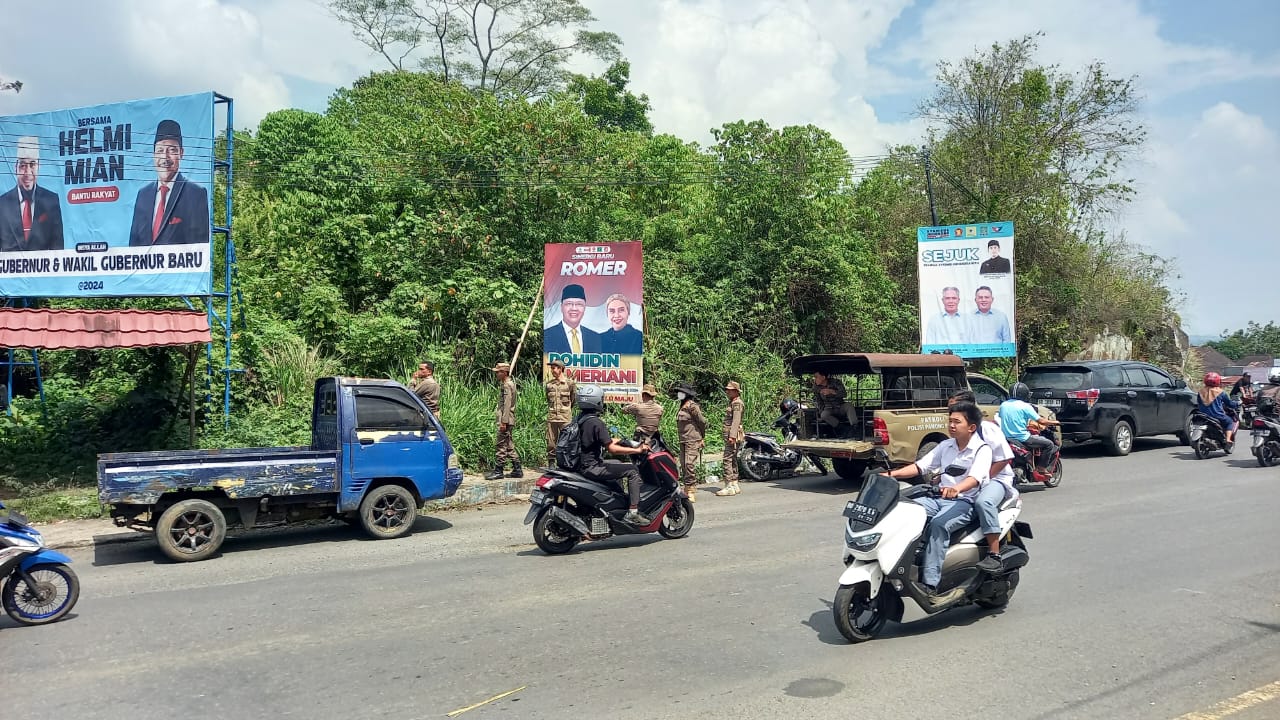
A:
[75,534]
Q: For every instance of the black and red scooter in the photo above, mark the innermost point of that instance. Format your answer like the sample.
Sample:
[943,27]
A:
[567,508]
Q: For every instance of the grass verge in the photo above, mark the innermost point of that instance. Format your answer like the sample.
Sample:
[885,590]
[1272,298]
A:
[70,504]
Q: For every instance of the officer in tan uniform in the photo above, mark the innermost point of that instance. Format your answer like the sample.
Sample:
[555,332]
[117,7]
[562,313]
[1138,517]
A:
[647,412]
[506,419]
[426,387]
[561,392]
[832,408]
[692,427]
[733,437]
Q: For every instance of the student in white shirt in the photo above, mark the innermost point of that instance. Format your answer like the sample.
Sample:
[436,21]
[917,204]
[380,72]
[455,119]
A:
[1004,485]
[970,457]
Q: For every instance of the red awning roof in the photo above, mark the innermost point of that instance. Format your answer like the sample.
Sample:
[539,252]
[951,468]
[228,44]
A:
[89,329]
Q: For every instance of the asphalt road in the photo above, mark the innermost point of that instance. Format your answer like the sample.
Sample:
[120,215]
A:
[1153,591]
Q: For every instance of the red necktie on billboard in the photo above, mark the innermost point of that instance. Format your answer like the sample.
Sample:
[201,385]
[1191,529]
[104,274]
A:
[159,221]
[26,220]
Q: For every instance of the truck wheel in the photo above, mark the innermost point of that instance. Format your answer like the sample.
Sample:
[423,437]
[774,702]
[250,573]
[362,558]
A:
[849,469]
[926,448]
[1120,442]
[191,530]
[388,512]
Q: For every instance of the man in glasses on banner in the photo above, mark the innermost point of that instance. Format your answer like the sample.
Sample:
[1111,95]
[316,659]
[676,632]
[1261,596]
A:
[172,210]
[568,336]
[30,217]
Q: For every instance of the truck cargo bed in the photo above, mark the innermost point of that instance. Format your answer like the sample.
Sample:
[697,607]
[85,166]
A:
[141,478]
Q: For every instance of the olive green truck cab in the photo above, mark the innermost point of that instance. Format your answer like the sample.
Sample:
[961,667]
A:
[897,403]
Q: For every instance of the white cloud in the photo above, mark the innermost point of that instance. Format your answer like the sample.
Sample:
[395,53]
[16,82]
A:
[1118,32]
[1205,199]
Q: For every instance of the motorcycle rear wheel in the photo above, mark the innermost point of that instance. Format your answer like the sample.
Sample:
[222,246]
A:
[752,469]
[1002,599]
[1201,451]
[1055,479]
[678,521]
[858,617]
[550,534]
[56,591]
[1266,457]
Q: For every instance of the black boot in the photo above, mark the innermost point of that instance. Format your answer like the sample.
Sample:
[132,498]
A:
[516,470]
[495,473]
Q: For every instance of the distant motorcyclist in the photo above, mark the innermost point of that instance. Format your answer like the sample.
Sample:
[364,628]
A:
[1214,402]
[1272,388]
[1016,417]
[594,441]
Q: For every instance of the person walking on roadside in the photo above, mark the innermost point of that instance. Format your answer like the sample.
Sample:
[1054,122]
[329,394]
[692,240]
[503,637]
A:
[647,412]
[426,387]
[733,436]
[691,425]
[506,418]
[561,392]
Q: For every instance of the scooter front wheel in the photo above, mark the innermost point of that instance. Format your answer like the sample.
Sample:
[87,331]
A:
[858,616]
[678,521]
[53,593]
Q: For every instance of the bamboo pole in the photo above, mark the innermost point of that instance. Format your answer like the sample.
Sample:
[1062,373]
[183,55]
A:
[537,298]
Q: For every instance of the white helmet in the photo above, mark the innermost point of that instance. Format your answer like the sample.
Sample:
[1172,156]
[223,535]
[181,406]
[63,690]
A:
[1274,376]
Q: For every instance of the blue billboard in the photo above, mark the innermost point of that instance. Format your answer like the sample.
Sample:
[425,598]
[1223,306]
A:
[967,290]
[108,201]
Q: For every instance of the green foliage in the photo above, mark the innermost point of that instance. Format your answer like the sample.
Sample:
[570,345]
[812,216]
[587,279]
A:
[606,98]
[1256,339]
[514,48]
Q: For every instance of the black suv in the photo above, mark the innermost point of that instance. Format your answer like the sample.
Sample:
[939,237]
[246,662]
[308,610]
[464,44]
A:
[1112,400]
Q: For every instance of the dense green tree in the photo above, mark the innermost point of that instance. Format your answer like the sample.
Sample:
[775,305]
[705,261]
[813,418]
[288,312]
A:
[606,98]
[1256,339]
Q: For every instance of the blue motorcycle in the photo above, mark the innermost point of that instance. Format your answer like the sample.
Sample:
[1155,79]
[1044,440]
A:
[39,586]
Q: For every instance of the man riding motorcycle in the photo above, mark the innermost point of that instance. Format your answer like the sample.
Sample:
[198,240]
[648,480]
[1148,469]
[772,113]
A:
[1272,389]
[1016,415]
[594,440]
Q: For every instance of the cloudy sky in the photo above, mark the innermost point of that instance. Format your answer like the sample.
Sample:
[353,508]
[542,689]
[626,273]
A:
[1210,73]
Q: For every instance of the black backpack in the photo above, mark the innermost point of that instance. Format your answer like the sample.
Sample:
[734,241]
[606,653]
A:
[569,446]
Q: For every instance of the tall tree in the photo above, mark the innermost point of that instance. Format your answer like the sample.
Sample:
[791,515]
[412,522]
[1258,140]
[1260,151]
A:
[507,47]
[606,98]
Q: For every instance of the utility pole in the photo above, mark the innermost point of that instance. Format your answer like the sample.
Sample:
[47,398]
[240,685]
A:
[928,187]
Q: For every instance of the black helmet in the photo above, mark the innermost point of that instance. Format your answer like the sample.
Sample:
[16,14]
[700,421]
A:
[1020,391]
[788,406]
[590,398]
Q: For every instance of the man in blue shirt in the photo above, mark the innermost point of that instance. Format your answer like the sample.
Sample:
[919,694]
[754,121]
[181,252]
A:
[1015,413]
[988,325]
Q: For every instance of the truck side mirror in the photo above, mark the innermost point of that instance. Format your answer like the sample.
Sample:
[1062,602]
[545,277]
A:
[1179,383]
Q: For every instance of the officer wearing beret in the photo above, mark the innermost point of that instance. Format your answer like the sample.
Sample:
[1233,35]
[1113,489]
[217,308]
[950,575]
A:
[561,392]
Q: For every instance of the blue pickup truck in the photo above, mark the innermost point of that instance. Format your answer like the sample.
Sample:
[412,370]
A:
[376,456]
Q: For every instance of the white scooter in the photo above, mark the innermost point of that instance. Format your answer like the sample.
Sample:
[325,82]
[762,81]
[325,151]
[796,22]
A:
[884,548]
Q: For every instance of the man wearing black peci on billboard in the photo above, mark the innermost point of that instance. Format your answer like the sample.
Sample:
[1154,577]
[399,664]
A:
[996,265]
[173,210]
[30,216]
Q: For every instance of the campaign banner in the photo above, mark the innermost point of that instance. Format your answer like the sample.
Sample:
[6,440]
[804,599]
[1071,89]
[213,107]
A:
[593,316]
[967,290]
[109,200]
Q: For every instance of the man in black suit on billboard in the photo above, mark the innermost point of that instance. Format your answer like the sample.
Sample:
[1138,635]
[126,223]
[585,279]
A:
[568,336]
[173,210]
[996,265]
[30,216]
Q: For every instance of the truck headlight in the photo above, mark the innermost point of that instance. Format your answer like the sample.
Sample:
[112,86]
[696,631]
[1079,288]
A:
[864,543]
